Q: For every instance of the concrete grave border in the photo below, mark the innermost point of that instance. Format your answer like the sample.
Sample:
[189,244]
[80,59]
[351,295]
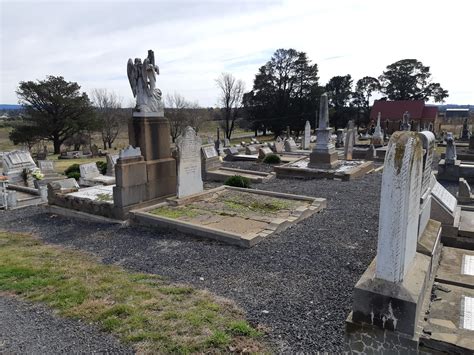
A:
[143,216]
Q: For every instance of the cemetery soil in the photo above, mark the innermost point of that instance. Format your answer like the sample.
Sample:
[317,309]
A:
[295,285]
[143,310]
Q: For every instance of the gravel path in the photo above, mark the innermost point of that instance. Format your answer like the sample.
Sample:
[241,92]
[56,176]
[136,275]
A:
[297,283]
[27,328]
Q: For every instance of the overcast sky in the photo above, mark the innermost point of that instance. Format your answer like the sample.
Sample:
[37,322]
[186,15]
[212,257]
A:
[194,41]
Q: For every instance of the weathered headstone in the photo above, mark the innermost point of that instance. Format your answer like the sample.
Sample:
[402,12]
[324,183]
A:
[399,206]
[279,145]
[450,157]
[64,186]
[15,164]
[339,138]
[263,152]
[251,150]
[290,145]
[209,151]
[94,150]
[189,163]
[111,161]
[428,142]
[89,171]
[350,141]
[307,135]
[377,137]
[130,152]
[231,151]
[465,134]
[46,166]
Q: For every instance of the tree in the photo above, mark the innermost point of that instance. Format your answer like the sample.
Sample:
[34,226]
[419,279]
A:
[364,89]
[230,99]
[25,134]
[285,92]
[339,90]
[176,114]
[409,79]
[196,116]
[108,108]
[54,109]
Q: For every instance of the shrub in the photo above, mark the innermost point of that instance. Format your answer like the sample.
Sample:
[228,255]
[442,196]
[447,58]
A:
[272,159]
[238,181]
[73,171]
[102,166]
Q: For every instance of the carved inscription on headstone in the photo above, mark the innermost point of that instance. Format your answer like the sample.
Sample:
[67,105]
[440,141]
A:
[189,163]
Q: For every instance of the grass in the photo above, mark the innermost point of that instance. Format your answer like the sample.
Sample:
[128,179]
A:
[145,311]
[176,212]
[249,203]
[104,197]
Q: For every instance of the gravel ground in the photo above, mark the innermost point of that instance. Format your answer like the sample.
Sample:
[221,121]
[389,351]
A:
[34,329]
[298,283]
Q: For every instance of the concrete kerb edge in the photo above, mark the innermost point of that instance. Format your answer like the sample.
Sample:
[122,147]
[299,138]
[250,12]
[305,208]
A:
[53,209]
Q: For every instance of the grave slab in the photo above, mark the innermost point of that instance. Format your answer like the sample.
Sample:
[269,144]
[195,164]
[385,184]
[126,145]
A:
[456,267]
[233,215]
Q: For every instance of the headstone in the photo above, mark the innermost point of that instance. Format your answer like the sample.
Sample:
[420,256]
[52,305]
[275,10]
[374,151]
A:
[231,151]
[464,191]
[94,150]
[428,141]
[189,163]
[443,196]
[465,134]
[46,166]
[290,145]
[226,142]
[377,137]
[111,161]
[251,150]
[307,135]
[209,152]
[130,152]
[339,138]
[399,206]
[263,152]
[279,145]
[405,126]
[89,171]
[15,164]
[450,156]
[64,186]
[350,141]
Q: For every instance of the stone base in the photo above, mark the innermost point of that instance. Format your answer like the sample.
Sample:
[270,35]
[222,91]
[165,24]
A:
[152,135]
[323,160]
[392,306]
[448,172]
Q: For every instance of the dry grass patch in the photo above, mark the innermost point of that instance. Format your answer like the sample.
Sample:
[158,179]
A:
[144,310]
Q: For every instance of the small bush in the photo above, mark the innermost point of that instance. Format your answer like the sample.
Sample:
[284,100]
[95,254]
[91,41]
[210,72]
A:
[75,175]
[272,159]
[102,166]
[238,181]
[73,171]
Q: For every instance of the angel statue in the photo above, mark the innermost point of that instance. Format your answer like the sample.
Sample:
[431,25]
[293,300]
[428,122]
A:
[142,77]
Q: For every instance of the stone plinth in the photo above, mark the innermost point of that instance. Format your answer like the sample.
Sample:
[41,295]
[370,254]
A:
[152,135]
[448,171]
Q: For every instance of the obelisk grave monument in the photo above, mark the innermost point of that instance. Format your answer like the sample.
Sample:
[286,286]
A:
[149,129]
[324,155]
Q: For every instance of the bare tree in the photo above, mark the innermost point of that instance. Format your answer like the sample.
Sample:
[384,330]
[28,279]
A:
[196,116]
[230,99]
[176,114]
[108,106]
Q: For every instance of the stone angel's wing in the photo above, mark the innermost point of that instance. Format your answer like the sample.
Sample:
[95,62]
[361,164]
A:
[132,76]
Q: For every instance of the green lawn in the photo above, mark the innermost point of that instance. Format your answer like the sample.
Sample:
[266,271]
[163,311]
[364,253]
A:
[145,311]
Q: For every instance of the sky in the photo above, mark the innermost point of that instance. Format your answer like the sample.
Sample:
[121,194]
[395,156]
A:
[90,42]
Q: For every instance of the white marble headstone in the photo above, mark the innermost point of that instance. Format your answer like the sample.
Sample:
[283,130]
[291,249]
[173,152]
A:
[189,163]
[130,152]
[89,171]
[428,141]
[46,166]
[209,151]
[290,145]
[444,197]
[399,206]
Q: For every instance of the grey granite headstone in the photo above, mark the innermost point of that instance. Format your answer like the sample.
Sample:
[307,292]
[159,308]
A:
[189,163]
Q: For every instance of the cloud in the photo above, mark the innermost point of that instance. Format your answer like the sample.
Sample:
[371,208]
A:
[194,41]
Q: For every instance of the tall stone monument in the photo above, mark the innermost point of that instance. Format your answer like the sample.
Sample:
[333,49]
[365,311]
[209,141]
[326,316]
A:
[307,135]
[149,129]
[377,137]
[324,154]
[189,163]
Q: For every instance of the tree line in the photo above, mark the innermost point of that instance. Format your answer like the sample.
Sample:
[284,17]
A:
[285,93]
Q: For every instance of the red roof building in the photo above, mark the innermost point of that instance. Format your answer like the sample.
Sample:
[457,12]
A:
[421,116]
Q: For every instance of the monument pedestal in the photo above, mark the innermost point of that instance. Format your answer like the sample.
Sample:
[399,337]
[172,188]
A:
[324,155]
[448,171]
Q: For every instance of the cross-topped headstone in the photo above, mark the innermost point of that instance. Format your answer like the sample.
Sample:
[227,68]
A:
[399,206]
